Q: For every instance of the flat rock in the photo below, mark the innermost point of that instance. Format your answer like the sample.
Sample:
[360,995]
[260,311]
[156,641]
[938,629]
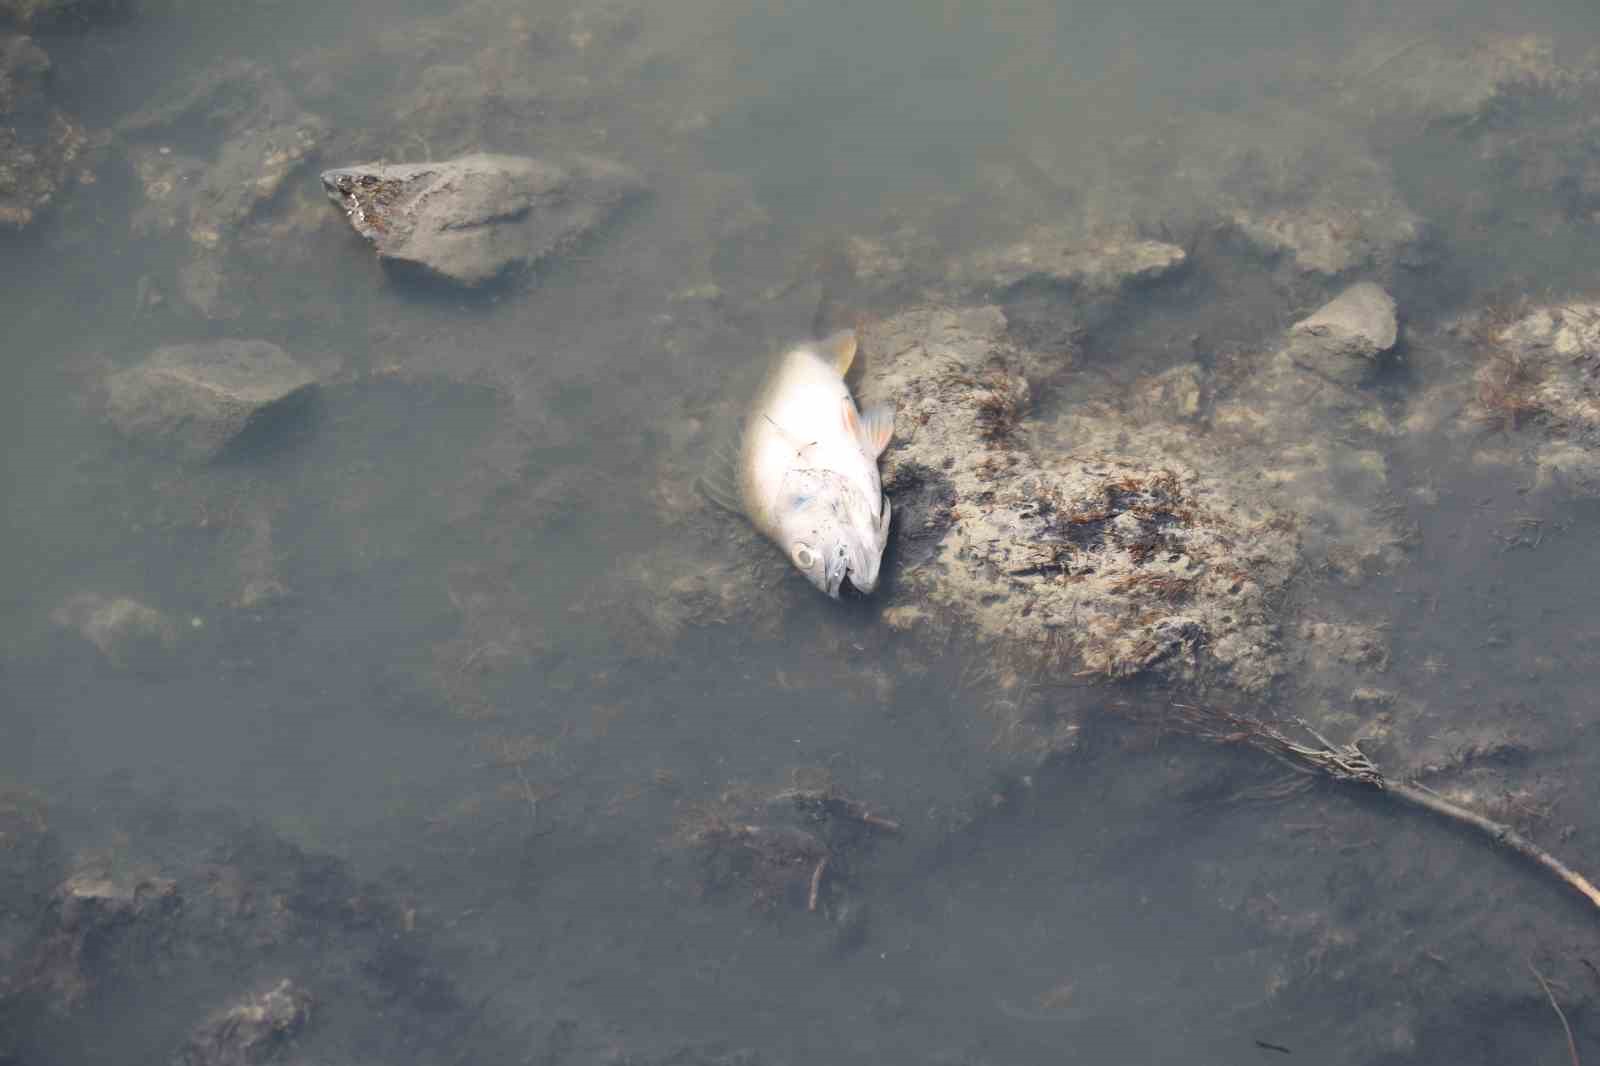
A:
[1344,337]
[476,218]
[1057,256]
[196,399]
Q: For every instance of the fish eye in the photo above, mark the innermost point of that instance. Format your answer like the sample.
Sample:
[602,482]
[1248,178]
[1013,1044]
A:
[804,556]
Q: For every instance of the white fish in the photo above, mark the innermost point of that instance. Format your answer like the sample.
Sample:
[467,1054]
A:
[805,468]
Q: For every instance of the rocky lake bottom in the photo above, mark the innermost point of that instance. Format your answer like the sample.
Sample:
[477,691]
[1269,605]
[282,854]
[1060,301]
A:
[376,684]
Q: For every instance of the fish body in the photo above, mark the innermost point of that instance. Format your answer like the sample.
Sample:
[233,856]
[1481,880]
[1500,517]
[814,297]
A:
[805,468]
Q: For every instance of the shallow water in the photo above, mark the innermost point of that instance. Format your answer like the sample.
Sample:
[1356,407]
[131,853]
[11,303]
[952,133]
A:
[449,693]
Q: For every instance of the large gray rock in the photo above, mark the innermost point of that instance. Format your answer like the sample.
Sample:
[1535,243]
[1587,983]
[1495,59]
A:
[196,399]
[474,219]
[1344,338]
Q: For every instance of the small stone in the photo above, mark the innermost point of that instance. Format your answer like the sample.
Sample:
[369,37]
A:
[196,399]
[1344,338]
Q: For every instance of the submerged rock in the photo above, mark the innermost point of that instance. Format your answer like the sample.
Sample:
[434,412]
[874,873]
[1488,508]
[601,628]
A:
[248,171]
[1151,528]
[225,941]
[1441,77]
[24,67]
[96,919]
[1060,256]
[1501,127]
[1344,338]
[252,1030]
[1308,192]
[30,867]
[55,14]
[1536,381]
[1113,556]
[39,144]
[474,219]
[196,399]
[1300,423]
[129,634]
[1331,237]
[256,136]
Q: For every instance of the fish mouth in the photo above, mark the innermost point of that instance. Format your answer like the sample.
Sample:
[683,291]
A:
[836,575]
[848,591]
[852,580]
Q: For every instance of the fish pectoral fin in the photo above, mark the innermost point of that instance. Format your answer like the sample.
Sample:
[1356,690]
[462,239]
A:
[721,493]
[876,427]
[871,431]
[719,480]
[839,349]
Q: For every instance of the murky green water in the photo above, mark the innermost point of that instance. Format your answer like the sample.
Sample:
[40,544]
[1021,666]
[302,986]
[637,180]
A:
[443,626]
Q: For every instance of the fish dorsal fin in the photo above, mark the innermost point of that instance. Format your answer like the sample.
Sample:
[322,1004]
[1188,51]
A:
[719,479]
[871,428]
[839,349]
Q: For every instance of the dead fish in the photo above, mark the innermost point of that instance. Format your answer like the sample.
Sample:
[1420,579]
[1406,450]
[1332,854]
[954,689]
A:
[804,467]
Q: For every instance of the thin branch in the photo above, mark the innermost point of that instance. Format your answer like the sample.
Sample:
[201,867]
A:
[816,884]
[1572,1045]
[1349,764]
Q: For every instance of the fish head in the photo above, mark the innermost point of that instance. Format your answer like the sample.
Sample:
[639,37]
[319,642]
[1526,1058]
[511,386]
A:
[832,531]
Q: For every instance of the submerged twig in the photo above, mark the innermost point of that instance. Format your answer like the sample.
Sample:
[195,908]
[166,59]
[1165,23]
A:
[1572,1045]
[816,884]
[1348,763]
